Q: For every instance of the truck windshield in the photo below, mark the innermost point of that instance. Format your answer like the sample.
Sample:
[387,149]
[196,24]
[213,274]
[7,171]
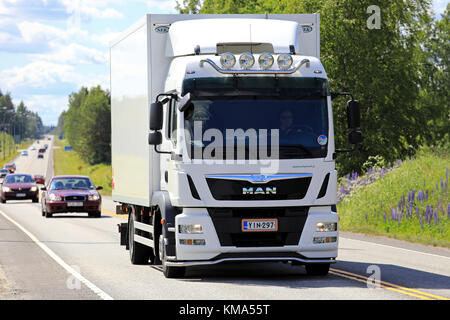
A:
[302,125]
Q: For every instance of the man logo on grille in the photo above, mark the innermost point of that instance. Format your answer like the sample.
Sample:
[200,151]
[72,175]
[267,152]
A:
[259,190]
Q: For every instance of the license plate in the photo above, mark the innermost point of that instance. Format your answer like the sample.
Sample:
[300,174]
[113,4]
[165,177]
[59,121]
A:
[74,204]
[20,195]
[260,225]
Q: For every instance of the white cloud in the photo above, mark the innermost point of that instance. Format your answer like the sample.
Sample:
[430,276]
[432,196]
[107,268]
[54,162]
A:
[46,105]
[105,39]
[164,5]
[74,54]
[439,7]
[38,74]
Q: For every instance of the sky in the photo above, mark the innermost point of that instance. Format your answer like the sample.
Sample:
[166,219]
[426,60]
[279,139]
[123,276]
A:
[50,48]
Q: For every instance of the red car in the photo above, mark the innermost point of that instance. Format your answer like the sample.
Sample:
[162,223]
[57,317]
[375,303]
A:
[71,194]
[19,187]
[39,178]
[11,167]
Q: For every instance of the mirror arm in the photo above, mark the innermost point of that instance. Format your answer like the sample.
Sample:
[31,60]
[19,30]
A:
[337,94]
[162,152]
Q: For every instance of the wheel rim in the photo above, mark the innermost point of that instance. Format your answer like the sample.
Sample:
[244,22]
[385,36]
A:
[131,235]
[161,248]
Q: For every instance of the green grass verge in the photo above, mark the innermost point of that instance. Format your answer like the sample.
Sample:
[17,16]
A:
[69,162]
[368,209]
[11,154]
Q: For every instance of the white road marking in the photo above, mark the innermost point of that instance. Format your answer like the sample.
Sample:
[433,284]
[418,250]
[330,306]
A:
[55,257]
[385,245]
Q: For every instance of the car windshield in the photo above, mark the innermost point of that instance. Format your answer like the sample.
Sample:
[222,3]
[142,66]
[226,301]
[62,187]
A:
[4,171]
[72,183]
[19,178]
[9,166]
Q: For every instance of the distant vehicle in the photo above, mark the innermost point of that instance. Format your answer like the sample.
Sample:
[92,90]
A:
[11,167]
[49,138]
[38,142]
[39,178]
[33,148]
[42,150]
[19,187]
[24,153]
[40,155]
[71,194]
[46,146]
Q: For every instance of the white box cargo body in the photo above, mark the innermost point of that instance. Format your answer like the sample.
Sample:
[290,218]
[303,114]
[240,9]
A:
[140,60]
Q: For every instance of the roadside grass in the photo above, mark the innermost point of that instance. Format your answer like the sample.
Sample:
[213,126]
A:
[409,202]
[69,162]
[11,155]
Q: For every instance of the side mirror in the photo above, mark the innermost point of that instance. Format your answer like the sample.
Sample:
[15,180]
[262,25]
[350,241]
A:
[185,102]
[353,114]
[355,137]
[44,189]
[99,188]
[156,116]
[154,138]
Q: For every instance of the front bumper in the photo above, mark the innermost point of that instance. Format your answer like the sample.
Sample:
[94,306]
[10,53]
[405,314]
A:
[62,207]
[216,248]
[13,195]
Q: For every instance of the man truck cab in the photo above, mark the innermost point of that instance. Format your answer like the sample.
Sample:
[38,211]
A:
[223,141]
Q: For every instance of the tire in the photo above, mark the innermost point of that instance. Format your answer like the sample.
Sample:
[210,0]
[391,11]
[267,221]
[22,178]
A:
[35,200]
[96,214]
[169,272]
[317,269]
[139,253]
[3,200]
[48,214]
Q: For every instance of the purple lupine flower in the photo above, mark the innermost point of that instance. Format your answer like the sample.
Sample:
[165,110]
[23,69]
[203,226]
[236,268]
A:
[393,213]
[421,223]
[437,187]
[384,216]
[448,210]
[417,212]
[436,217]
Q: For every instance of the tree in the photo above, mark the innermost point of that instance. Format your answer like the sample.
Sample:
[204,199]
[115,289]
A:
[188,6]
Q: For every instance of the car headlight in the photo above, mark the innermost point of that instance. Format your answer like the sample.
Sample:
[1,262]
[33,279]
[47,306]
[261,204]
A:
[227,60]
[246,60]
[6,189]
[54,197]
[93,197]
[284,61]
[265,60]
[326,226]
[34,189]
[190,228]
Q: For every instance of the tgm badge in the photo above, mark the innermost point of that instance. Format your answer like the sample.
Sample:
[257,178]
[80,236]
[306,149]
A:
[162,29]
[307,29]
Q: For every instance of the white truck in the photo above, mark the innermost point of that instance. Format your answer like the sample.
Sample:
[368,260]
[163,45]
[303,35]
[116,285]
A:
[223,141]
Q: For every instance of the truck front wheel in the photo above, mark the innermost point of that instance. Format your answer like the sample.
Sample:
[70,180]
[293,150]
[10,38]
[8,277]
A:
[169,272]
[139,253]
[317,269]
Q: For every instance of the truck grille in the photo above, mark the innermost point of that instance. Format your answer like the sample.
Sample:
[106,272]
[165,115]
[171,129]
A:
[227,222]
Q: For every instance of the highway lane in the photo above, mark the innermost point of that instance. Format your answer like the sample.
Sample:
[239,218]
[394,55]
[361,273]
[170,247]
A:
[90,246]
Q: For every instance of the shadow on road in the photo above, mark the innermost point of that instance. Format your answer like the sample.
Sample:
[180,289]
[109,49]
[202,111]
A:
[286,275]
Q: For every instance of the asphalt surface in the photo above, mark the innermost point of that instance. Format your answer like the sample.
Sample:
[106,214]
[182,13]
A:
[72,256]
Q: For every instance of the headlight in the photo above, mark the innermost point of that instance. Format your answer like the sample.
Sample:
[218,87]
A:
[284,61]
[93,197]
[190,228]
[6,189]
[34,189]
[246,60]
[265,60]
[227,60]
[326,226]
[54,197]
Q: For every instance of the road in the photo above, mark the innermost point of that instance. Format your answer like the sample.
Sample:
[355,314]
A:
[75,257]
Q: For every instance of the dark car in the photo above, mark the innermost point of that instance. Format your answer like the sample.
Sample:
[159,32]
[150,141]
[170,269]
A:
[42,150]
[19,187]
[40,155]
[71,194]
[39,178]
[11,167]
